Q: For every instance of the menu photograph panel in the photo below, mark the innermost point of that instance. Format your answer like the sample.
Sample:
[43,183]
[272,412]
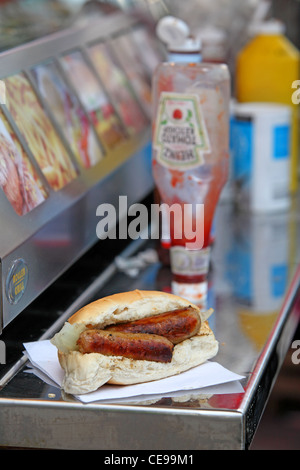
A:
[148,49]
[117,84]
[18,178]
[38,131]
[106,121]
[128,56]
[68,114]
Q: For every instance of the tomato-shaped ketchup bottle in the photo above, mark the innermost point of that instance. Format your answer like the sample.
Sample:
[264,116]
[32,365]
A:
[190,150]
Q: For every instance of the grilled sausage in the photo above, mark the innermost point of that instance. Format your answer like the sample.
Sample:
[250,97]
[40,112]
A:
[176,325]
[133,346]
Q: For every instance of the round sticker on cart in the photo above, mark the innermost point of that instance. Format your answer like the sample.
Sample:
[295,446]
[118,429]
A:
[16,281]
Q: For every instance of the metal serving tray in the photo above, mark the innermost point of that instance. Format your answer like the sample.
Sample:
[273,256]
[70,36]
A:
[256,302]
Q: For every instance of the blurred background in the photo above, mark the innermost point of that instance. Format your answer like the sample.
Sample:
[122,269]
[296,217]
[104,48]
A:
[22,20]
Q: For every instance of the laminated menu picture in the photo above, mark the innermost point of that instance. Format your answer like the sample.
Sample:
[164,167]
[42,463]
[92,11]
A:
[39,132]
[18,178]
[148,50]
[94,99]
[128,56]
[117,84]
[68,114]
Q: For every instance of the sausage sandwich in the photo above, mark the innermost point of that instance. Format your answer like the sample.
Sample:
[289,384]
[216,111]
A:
[130,338]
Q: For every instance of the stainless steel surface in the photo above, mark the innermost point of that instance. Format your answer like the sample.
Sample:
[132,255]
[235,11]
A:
[254,289]
[52,236]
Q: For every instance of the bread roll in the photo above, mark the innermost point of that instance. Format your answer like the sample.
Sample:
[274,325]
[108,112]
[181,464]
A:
[87,372]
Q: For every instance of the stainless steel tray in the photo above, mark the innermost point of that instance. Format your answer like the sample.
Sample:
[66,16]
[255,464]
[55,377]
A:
[254,287]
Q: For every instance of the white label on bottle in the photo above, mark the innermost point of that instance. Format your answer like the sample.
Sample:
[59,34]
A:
[189,262]
[181,137]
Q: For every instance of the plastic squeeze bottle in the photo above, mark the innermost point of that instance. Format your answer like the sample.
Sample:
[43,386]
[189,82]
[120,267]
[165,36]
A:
[190,151]
[187,50]
[266,69]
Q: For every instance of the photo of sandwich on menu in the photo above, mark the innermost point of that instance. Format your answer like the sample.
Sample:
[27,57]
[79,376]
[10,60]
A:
[38,132]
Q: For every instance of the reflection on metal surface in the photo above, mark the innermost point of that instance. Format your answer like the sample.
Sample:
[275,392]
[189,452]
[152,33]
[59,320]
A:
[185,420]
[259,272]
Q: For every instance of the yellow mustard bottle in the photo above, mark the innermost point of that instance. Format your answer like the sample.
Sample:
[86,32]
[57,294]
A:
[266,69]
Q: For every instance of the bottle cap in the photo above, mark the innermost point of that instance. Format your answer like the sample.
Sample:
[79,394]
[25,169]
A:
[271,26]
[175,33]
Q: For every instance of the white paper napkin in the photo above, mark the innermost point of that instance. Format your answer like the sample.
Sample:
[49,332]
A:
[43,356]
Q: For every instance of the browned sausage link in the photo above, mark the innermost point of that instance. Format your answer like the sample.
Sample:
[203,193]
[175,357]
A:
[176,325]
[133,346]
